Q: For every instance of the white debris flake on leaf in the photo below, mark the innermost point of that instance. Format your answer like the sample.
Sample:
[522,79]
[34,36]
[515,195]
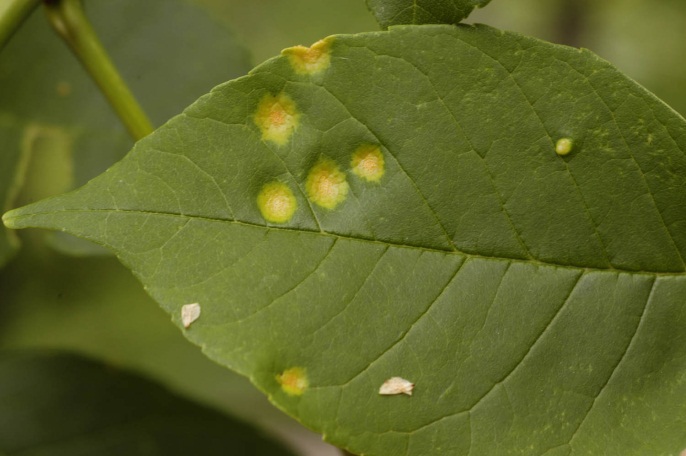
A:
[396,385]
[190,313]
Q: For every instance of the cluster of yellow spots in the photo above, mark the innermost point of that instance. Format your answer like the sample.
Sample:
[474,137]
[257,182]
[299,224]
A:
[277,118]
[310,60]
[293,381]
[326,184]
[276,202]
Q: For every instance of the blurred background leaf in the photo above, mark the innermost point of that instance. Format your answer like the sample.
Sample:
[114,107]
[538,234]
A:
[62,404]
[169,51]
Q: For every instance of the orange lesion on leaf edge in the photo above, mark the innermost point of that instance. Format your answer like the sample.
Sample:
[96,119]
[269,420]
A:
[310,60]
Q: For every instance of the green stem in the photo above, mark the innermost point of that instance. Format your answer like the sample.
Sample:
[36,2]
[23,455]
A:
[12,14]
[70,22]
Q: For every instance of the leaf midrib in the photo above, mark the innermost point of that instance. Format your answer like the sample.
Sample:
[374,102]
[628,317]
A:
[11,220]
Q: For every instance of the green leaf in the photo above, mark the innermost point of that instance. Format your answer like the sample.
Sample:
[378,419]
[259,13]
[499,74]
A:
[399,12]
[61,404]
[169,52]
[499,220]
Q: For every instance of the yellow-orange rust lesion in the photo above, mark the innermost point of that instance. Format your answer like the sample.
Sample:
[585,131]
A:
[276,202]
[310,60]
[277,118]
[368,163]
[326,184]
[293,381]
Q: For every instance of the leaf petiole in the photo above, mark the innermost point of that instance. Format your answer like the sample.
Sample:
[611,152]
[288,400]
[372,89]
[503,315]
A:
[69,20]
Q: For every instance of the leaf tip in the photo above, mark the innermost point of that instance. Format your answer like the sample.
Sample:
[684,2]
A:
[11,220]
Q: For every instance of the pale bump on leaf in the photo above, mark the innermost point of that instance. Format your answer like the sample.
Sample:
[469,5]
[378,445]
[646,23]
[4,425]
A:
[564,146]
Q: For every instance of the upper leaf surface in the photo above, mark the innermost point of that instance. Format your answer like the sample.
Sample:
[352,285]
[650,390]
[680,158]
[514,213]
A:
[399,12]
[62,404]
[400,204]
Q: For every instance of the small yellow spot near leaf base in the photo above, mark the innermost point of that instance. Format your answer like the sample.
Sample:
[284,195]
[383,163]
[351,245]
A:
[276,202]
[564,146]
[310,60]
[326,184]
[189,313]
[277,117]
[293,381]
[368,163]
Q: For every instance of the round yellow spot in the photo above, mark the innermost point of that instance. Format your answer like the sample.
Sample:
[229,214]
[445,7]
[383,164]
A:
[310,60]
[326,184]
[564,146]
[276,202]
[277,117]
[368,163]
[293,381]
